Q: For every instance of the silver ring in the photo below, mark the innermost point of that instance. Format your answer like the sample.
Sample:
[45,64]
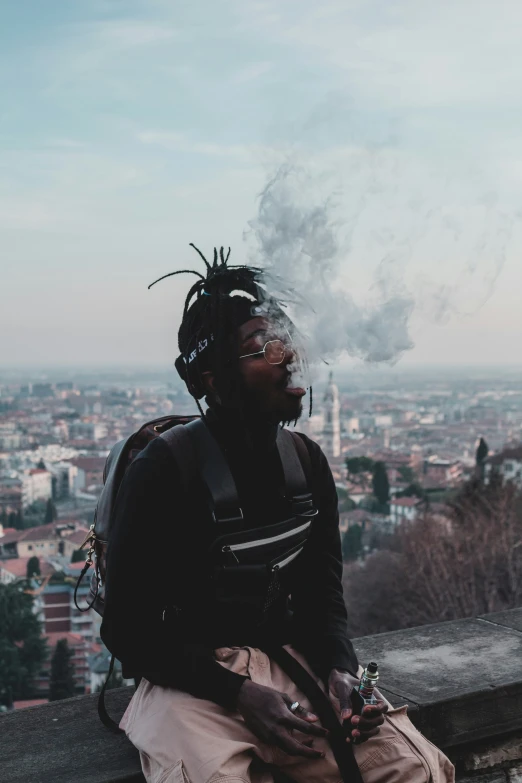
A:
[295,706]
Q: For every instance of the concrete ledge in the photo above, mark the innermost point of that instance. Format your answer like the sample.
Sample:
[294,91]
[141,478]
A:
[462,681]
[65,742]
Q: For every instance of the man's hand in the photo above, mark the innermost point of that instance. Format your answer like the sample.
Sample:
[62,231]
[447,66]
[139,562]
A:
[267,713]
[363,726]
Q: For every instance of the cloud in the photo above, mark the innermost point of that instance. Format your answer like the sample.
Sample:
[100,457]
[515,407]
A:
[252,72]
[180,143]
[132,33]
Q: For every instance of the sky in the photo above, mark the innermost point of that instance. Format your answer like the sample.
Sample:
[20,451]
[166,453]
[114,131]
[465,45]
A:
[130,128]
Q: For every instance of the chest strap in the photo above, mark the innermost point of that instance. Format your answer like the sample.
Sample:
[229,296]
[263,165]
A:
[195,448]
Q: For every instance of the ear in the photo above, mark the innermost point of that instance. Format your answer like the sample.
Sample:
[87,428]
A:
[209,383]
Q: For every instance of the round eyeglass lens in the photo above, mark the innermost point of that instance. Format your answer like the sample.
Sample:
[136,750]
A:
[275,352]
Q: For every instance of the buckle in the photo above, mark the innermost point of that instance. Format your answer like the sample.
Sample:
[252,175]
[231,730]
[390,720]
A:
[223,516]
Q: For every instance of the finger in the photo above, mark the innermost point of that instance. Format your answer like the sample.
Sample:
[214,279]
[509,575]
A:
[365,723]
[295,748]
[359,736]
[344,691]
[379,707]
[293,722]
[303,713]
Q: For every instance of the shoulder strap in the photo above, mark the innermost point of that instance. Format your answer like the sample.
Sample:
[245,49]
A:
[296,483]
[195,449]
[182,449]
[304,456]
[214,469]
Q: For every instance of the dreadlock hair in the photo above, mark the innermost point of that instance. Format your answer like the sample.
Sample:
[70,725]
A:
[210,316]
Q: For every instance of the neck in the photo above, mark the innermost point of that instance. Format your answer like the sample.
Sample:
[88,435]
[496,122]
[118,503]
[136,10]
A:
[243,428]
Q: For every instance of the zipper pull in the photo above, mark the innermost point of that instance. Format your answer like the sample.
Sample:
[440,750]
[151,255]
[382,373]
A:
[228,551]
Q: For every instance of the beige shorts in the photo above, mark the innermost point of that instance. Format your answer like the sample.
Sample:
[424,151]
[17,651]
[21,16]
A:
[182,739]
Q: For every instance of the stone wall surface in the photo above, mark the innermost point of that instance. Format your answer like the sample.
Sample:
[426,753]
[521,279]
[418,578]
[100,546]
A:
[462,682]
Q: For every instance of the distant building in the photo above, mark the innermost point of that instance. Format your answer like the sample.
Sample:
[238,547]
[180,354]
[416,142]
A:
[99,664]
[442,472]
[36,485]
[89,472]
[57,539]
[64,479]
[43,390]
[87,430]
[60,613]
[508,464]
[332,424]
[11,497]
[404,509]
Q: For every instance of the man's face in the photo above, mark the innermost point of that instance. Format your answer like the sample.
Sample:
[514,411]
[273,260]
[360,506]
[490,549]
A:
[267,388]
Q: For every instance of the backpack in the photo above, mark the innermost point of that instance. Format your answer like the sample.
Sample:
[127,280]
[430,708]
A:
[199,453]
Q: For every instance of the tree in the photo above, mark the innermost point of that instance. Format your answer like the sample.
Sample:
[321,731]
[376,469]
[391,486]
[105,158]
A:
[50,512]
[115,681]
[413,490]
[61,684]
[380,483]
[22,647]
[15,520]
[463,564]
[33,567]
[358,469]
[352,543]
[482,452]
[79,556]
[407,474]
[41,465]
[358,465]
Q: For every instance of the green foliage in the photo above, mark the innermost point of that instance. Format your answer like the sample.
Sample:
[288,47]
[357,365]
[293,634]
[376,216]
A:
[79,556]
[61,684]
[22,648]
[380,483]
[33,567]
[34,515]
[57,578]
[407,474]
[357,465]
[115,681]
[482,452]
[413,491]
[15,519]
[352,543]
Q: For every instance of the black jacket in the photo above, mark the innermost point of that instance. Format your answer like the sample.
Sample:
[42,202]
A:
[156,564]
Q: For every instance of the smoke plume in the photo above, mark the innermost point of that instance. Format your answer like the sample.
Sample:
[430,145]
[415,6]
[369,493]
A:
[296,239]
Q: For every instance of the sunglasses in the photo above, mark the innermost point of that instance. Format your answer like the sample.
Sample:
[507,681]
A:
[274,352]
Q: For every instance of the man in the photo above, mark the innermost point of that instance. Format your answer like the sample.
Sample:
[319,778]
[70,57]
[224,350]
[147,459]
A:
[198,607]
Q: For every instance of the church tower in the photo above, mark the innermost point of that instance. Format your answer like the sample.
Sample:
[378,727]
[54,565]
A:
[332,425]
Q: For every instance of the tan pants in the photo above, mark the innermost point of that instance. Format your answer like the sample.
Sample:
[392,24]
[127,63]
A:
[182,739]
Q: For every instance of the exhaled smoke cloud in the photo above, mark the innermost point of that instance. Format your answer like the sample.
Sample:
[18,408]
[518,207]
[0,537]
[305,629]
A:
[296,232]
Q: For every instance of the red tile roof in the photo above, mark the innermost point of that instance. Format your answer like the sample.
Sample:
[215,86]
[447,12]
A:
[77,536]
[406,502]
[498,459]
[73,639]
[90,463]
[18,566]
[20,705]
